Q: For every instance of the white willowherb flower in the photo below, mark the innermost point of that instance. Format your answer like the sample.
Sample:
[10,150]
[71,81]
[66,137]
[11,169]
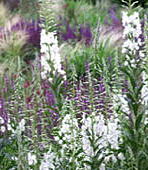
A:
[113,132]
[9,126]
[50,53]
[68,131]
[119,99]
[132,46]
[93,125]
[131,24]
[107,130]
[69,139]
[2,129]
[144,92]
[32,159]
[50,160]
[144,95]
[20,128]
[2,120]
[131,34]
[45,39]
[22,125]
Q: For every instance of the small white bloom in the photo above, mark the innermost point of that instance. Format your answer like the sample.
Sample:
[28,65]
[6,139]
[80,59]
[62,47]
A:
[102,167]
[9,127]
[64,146]
[133,61]
[22,125]
[60,142]
[14,158]
[3,129]
[126,63]
[32,159]
[44,166]
[56,138]
[131,33]
[2,120]
[121,156]
[141,54]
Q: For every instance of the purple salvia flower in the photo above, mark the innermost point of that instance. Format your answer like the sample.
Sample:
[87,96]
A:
[69,33]
[49,97]
[85,34]
[78,33]
[101,88]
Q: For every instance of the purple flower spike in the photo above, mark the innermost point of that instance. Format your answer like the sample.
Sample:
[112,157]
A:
[85,34]
[49,97]
[101,88]
[79,33]
[69,33]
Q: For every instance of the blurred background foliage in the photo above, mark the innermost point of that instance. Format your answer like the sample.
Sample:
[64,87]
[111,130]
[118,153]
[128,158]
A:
[89,33]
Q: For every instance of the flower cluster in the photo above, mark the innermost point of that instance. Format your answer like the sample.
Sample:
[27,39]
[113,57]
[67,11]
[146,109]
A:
[92,126]
[98,127]
[68,131]
[83,138]
[144,92]
[21,126]
[132,35]
[67,141]
[131,24]
[32,159]
[50,56]
[49,161]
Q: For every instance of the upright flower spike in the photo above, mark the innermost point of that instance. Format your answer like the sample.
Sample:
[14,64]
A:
[68,138]
[144,92]
[132,35]
[134,133]
[50,55]
[44,54]
[131,48]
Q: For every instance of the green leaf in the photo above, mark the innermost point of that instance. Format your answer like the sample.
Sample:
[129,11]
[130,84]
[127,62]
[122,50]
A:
[88,163]
[138,121]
